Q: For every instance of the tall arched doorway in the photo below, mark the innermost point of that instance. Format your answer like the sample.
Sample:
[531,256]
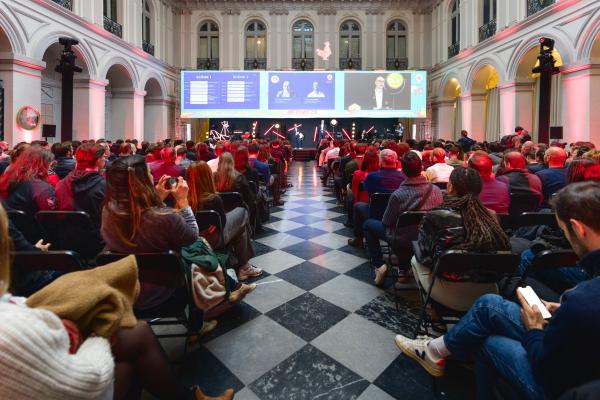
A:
[156,112]
[120,104]
[485,104]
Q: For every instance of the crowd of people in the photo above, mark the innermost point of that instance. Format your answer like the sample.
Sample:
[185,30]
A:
[145,198]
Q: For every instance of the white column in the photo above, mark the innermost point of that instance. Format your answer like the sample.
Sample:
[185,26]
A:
[127,117]
[466,112]
[477,126]
[445,116]
[22,80]
[516,106]
[581,117]
[156,115]
[88,108]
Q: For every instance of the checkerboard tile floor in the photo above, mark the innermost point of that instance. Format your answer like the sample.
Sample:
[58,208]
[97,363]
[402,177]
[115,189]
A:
[316,327]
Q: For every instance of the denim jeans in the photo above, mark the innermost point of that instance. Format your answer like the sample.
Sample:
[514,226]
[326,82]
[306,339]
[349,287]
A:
[493,330]
[374,230]
[559,279]
[361,213]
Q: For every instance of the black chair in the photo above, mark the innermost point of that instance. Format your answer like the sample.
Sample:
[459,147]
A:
[71,230]
[406,221]
[549,260]
[253,186]
[496,266]
[208,218]
[441,185]
[27,225]
[523,202]
[165,270]
[536,218]
[31,261]
[377,204]
[232,200]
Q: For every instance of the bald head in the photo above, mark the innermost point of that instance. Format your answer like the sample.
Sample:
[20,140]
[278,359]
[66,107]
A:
[514,160]
[482,163]
[555,157]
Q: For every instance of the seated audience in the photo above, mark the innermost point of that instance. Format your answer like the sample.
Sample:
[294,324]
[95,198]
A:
[385,180]
[518,178]
[583,169]
[214,162]
[494,193]
[166,165]
[460,223]
[181,155]
[203,153]
[540,358]
[126,149]
[53,362]
[414,194]
[24,185]
[554,177]
[455,157]
[63,154]
[440,171]
[85,187]
[235,223]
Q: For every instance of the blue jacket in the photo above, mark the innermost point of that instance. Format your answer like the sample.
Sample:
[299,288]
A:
[386,180]
[262,168]
[566,353]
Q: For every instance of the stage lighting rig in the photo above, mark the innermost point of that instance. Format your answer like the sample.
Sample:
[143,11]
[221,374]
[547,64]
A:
[333,122]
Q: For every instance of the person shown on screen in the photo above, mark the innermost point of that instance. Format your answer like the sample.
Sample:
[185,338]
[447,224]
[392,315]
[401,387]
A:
[286,91]
[316,92]
[381,98]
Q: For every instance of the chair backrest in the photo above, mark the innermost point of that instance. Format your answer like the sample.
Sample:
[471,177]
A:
[523,202]
[536,218]
[377,204]
[253,186]
[410,218]
[232,200]
[207,218]
[70,230]
[552,259]
[441,185]
[161,269]
[26,224]
[487,266]
[30,261]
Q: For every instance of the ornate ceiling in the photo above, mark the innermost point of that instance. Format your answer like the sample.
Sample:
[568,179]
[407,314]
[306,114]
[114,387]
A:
[321,6]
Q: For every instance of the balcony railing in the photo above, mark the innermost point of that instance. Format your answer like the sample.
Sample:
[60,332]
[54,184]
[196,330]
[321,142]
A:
[303,64]
[453,49]
[68,4]
[351,63]
[113,27]
[534,6]
[207,63]
[396,63]
[487,30]
[148,47]
[255,63]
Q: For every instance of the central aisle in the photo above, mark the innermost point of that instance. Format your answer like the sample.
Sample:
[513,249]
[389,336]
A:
[316,327]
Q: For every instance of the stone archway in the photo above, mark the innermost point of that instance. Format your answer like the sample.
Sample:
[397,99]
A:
[123,119]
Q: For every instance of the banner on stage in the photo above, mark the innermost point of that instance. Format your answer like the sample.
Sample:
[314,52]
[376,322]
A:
[301,94]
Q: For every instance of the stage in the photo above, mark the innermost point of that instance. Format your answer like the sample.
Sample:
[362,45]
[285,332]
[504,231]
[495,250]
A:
[304,154]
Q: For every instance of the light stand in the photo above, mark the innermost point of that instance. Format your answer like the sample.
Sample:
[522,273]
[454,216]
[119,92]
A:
[67,67]
[546,69]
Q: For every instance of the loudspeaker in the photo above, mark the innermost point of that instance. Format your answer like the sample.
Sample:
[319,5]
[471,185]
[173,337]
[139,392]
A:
[48,131]
[556,132]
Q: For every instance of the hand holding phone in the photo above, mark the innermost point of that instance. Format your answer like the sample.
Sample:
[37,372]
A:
[532,299]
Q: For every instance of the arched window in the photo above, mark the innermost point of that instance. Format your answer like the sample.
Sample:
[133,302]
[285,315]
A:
[488,27]
[303,45]
[256,46]
[146,28]
[396,45]
[350,45]
[454,47]
[208,46]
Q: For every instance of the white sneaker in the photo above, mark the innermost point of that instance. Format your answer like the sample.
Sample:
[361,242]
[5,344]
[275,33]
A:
[416,349]
[249,271]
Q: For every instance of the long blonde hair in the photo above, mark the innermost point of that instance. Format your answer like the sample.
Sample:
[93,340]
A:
[226,173]
[5,248]
[201,184]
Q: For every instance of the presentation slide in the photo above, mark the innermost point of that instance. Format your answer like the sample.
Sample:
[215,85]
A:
[303,94]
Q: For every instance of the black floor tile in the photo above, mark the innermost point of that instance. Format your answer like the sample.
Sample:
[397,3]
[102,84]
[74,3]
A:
[231,319]
[260,249]
[308,316]
[307,275]
[382,310]
[309,374]
[306,232]
[306,250]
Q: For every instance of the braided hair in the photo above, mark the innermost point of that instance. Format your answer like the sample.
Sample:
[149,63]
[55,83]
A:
[482,230]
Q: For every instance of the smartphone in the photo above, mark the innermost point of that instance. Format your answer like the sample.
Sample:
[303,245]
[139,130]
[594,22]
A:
[170,183]
[533,299]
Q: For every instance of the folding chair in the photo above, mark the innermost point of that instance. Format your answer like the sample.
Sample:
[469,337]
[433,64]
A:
[498,265]
[207,218]
[550,259]
[441,185]
[522,202]
[232,200]
[377,204]
[26,224]
[164,270]
[253,186]
[71,230]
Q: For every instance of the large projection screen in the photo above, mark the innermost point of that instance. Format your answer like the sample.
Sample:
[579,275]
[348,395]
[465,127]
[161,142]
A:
[318,94]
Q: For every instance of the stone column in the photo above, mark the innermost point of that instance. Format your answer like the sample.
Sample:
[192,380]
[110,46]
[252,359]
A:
[444,120]
[89,97]
[516,106]
[156,118]
[22,81]
[127,117]
[581,117]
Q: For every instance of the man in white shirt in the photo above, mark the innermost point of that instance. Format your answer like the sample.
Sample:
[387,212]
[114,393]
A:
[214,163]
[316,92]
[440,171]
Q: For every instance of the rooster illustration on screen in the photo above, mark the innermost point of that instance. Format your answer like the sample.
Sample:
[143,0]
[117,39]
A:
[325,53]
